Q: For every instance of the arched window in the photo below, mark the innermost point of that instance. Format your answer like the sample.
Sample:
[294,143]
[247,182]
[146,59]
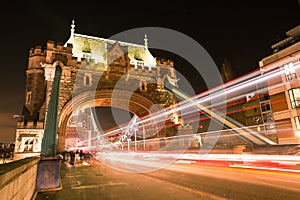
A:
[28,97]
[143,86]
[87,79]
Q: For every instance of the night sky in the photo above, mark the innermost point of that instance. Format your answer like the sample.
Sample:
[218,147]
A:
[241,31]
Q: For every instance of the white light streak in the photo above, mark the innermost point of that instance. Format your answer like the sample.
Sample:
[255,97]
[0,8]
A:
[203,101]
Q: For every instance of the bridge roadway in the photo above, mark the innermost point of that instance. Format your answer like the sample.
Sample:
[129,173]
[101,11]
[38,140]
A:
[177,181]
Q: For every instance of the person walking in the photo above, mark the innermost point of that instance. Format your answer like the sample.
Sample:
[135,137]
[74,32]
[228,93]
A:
[81,154]
[72,157]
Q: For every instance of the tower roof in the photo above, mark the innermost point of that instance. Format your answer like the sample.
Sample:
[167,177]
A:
[98,48]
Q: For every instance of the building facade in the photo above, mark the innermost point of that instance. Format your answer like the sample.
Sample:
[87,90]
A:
[280,103]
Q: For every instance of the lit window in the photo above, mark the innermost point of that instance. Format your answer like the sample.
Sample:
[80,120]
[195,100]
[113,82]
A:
[87,56]
[140,64]
[295,97]
[87,79]
[290,72]
[264,97]
[28,145]
[267,117]
[28,97]
[297,122]
[265,107]
[143,86]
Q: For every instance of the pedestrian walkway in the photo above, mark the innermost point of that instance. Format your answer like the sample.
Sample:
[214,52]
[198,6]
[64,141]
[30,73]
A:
[97,181]
[69,174]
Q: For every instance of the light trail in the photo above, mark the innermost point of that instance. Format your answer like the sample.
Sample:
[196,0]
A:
[228,88]
[247,133]
[214,93]
[282,163]
[202,100]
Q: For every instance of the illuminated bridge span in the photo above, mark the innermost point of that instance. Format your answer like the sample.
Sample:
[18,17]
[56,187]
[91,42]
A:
[201,103]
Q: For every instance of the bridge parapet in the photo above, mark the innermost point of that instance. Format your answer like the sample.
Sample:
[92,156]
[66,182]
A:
[145,72]
[18,179]
[164,61]
[38,50]
[59,46]
[30,125]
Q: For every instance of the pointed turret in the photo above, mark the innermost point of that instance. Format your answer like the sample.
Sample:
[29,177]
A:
[71,39]
[72,28]
[146,41]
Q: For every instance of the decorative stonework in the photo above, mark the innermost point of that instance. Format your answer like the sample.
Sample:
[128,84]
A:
[28,140]
[110,65]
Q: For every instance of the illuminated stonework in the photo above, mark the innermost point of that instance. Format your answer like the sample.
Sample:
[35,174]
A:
[95,48]
[92,64]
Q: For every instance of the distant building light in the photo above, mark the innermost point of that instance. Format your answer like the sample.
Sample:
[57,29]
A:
[290,71]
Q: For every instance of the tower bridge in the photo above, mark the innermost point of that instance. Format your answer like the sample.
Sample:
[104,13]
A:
[98,72]
[94,71]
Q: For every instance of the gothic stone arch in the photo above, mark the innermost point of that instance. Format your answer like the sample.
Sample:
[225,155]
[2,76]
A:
[137,105]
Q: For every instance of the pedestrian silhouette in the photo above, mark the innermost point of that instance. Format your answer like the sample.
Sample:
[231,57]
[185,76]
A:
[72,155]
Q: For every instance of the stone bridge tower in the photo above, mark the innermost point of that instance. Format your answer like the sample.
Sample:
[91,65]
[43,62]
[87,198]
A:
[93,69]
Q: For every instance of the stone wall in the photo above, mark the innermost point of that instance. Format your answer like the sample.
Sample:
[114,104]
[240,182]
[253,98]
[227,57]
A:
[18,179]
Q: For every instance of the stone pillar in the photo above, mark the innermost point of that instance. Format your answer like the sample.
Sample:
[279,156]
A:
[48,173]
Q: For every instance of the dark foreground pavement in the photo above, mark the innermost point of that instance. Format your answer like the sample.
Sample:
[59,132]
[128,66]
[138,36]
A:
[97,181]
[182,181]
